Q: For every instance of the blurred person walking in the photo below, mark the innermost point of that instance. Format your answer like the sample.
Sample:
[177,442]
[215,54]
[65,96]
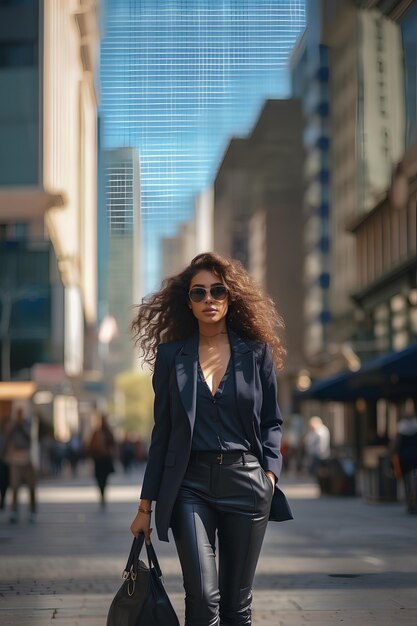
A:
[74,452]
[317,444]
[18,457]
[5,425]
[127,453]
[404,458]
[214,459]
[102,449]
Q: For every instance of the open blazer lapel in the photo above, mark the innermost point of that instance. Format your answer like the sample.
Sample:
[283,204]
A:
[186,373]
[244,369]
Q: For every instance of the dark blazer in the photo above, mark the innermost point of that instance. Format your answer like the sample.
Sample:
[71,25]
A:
[175,385]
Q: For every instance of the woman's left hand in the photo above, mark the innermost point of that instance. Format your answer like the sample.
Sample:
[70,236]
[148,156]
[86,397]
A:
[271,477]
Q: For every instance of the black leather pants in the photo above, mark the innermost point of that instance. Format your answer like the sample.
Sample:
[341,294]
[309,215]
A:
[234,501]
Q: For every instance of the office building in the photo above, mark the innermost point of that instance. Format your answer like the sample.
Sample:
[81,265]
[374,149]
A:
[367,120]
[309,64]
[123,280]
[48,186]
[258,219]
[386,236]
[364,404]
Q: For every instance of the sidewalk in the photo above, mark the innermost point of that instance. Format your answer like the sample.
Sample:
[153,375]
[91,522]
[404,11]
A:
[340,560]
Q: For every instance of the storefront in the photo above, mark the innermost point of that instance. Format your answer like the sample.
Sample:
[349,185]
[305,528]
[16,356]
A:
[362,409]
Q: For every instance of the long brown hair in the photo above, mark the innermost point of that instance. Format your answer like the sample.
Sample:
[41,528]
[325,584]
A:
[165,316]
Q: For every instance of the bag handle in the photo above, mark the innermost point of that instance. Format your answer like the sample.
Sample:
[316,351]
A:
[152,559]
[133,558]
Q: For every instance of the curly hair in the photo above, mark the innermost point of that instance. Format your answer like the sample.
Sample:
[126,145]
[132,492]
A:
[165,316]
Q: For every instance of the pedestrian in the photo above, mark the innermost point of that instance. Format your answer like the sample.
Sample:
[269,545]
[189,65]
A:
[5,424]
[317,444]
[102,448]
[18,457]
[404,457]
[127,453]
[214,459]
[74,452]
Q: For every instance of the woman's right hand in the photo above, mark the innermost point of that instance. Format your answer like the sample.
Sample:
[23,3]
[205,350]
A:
[141,524]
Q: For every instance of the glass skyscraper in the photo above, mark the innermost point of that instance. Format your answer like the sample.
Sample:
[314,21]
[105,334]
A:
[123,227]
[178,79]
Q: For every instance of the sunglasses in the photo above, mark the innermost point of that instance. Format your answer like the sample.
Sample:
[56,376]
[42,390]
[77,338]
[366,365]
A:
[217,292]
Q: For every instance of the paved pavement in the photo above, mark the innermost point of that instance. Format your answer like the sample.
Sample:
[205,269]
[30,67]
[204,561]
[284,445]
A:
[340,561]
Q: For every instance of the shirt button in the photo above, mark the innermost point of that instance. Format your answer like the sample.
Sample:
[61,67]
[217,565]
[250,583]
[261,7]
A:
[214,401]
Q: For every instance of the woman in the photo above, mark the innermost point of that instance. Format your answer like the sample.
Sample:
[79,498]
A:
[214,457]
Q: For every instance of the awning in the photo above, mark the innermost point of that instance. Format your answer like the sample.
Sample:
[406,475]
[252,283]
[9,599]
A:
[393,375]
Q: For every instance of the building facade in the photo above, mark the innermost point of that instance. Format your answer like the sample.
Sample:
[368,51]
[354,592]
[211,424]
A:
[366,127]
[69,162]
[48,186]
[310,82]
[363,405]
[386,236]
[258,218]
[191,238]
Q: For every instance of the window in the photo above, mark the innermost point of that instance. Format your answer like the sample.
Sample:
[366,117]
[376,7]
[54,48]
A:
[13,231]
[385,143]
[16,3]
[25,352]
[399,322]
[381,327]
[370,244]
[17,54]
[412,226]
[361,265]
[413,320]
[20,230]
[395,237]
[409,37]
[379,254]
[33,312]
[382,105]
[386,239]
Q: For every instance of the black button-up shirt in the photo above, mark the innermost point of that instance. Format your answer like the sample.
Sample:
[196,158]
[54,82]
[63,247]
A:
[217,424]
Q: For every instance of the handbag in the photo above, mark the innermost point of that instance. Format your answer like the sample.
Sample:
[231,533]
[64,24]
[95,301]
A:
[142,599]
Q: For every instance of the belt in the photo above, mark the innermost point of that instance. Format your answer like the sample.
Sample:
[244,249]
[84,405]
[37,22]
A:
[221,458]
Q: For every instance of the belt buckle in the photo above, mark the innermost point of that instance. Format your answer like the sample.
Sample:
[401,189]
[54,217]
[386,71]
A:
[219,458]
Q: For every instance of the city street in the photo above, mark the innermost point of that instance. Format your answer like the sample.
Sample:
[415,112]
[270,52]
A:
[340,561]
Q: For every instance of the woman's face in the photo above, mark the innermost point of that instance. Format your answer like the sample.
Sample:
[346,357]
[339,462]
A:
[210,310]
